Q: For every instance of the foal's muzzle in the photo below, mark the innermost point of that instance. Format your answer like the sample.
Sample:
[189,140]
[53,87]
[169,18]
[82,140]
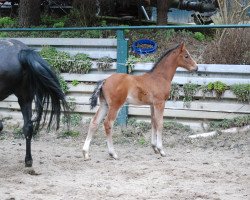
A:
[195,69]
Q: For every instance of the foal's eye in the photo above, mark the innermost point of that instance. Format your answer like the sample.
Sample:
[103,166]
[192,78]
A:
[186,56]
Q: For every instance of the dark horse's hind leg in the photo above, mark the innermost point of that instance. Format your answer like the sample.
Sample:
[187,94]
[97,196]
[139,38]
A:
[26,108]
[1,125]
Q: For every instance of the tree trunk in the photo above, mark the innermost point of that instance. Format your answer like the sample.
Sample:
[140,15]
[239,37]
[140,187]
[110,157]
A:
[162,10]
[29,13]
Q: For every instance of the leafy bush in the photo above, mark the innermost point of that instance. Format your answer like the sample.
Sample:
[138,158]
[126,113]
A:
[50,21]
[6,22]
[199,36]
[219,88]
[189,90]
[63,84]
[3,34]
[104,63]
[63,62]
[241,91]
[58,25]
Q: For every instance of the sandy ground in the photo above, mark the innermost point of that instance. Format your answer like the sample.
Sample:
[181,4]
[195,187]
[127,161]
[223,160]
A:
[209,168]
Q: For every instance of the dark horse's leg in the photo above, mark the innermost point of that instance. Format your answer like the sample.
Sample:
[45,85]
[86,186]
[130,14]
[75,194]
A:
[1,125]
[26,108]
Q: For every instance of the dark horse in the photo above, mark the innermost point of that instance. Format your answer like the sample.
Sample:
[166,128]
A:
[26,75]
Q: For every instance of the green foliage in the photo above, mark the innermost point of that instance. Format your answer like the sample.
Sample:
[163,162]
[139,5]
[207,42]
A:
[185,33]
[104,63]
[18,133]
[71,34]
[7,22]
[74,120]
[70,134]
[63,62]
[58,25]
[199,36]
[210,86]
[142,141]
[71,103]
[175,127]
[142,125]
[134,59]
[63,84]
[204,89]
[75,82]
[3,34]
[81,34]
[220,88]
[241,91]
[93,34]
[175,91]
[170,126]
[81,64]
[50,21]
[228,123]
[189,90]
[168,34]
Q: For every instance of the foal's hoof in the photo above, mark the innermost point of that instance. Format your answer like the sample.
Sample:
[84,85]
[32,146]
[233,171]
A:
[86,155]
[113,155]
[163,154]
[155,149]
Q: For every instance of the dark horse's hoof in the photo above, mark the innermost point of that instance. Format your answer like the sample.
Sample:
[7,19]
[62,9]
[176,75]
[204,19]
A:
[28,163]
[1,126]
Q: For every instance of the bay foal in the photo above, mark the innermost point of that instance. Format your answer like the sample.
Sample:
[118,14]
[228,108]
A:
[151,88]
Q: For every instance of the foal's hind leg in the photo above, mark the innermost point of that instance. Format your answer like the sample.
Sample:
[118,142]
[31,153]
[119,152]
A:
[95,121]
[158,119]
[108,125]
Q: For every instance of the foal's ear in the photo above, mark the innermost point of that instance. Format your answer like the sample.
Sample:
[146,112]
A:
[182,46]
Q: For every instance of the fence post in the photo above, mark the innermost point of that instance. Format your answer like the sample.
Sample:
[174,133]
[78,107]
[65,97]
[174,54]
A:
[122,57]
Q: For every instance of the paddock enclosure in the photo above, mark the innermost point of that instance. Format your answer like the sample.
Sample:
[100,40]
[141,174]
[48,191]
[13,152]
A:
[200,109]
[214,168]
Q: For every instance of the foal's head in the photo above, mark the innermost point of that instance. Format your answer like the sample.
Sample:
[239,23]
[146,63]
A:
[184,59]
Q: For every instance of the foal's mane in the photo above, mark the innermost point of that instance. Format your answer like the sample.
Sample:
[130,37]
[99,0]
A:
[166,53]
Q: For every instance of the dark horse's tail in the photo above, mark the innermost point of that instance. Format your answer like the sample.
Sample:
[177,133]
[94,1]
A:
[96,94]
[45,86]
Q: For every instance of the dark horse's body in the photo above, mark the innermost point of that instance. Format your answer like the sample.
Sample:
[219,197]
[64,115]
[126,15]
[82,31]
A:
[26,75]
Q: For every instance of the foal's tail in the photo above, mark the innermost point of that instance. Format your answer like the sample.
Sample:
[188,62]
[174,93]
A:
[45,86]
[97,91]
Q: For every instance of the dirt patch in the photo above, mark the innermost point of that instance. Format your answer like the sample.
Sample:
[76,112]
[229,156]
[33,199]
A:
[208,168]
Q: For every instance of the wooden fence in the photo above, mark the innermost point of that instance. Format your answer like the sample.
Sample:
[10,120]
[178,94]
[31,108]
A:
[200,110]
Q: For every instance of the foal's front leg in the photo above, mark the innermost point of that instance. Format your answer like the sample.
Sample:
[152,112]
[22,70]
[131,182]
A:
[153,135]
[158,124]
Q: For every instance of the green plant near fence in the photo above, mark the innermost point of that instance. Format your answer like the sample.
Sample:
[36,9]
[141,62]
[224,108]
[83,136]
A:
[189,90]
[228,123]
[7,22]
[64,62]
[104,63]
[241,91]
